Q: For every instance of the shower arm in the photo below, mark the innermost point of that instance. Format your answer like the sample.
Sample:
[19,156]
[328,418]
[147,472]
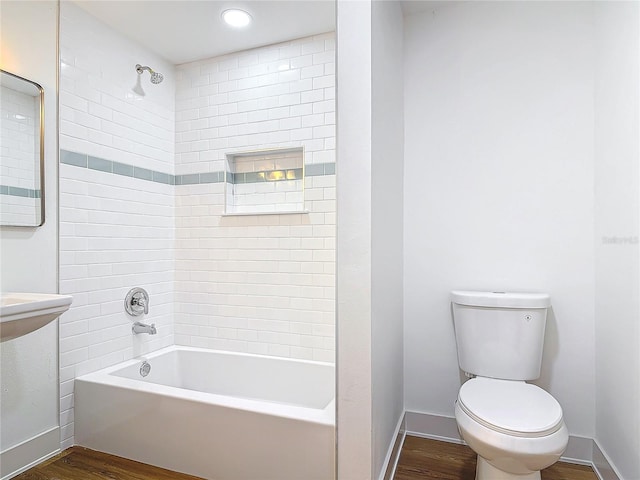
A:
[140,69]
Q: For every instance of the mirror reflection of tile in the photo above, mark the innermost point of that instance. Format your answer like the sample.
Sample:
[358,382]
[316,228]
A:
[20,156]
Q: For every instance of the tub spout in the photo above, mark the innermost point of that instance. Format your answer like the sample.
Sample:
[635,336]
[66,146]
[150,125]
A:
[140,327]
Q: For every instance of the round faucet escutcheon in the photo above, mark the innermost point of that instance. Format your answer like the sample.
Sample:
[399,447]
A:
[136,302]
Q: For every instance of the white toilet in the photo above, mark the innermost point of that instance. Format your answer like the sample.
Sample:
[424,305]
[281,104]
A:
[515,428]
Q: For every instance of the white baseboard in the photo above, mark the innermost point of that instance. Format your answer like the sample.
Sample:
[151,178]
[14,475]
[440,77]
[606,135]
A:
[435,427]
[580,450]
[30,453]
[391,460]
[601,464]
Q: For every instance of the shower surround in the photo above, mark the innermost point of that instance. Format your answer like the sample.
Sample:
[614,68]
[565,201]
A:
[257,283]
[142,199]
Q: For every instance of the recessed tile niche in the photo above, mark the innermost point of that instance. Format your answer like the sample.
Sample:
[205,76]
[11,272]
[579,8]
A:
[265,182]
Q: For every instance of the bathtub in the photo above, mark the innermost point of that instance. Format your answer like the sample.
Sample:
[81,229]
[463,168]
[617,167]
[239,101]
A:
[214,414]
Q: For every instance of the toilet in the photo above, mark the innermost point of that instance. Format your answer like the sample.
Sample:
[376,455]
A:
[516,428]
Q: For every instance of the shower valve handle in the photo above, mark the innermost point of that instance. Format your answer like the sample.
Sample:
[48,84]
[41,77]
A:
[141,302]
[137,302]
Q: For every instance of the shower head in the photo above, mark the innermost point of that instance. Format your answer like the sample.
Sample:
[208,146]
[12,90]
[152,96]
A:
[155,76]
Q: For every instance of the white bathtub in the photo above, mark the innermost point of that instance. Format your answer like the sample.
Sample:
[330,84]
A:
[213,414]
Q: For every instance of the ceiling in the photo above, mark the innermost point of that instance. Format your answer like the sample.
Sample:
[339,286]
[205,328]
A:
[183,31]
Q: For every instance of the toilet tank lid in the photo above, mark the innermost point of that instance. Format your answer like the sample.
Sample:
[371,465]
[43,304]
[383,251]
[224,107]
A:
[501,299]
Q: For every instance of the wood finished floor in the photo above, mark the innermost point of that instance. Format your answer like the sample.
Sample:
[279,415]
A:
[79,463]
[422,459]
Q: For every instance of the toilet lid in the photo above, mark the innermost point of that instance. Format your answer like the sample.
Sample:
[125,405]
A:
[511,407]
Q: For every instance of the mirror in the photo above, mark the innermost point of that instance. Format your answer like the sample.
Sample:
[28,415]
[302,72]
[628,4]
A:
[21,151]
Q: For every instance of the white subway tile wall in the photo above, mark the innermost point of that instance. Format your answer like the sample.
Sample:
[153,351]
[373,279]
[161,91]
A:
[258,283]
[116,232]
[100,114]
[271,97]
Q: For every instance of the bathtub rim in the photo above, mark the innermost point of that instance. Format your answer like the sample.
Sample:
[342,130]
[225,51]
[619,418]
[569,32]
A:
[104,376]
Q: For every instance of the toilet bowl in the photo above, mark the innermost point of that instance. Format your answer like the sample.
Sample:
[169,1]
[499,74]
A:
[515,428]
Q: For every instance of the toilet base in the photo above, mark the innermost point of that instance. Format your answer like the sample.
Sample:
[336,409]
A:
[486,471]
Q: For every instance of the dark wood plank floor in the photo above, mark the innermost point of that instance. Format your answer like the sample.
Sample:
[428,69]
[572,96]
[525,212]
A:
[79,463]
[422,459]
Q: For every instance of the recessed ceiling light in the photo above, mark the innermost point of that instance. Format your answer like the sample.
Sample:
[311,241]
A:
[236,18]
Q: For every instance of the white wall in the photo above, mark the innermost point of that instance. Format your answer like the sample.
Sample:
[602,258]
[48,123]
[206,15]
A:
[617,215]
[257,283]
[387,159]
[22,26]
[353,277]
[29,255]
[499,186]
[369,278]
[116,219]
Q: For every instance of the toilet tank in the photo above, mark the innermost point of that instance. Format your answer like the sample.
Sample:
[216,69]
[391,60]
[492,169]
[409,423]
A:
[499,334]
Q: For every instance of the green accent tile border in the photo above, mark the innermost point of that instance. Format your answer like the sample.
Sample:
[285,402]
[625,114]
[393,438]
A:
[143,173]
[160,177]
[73,158]
[317,169]
[117,168]
[19,192]
[212,177]
[123,169]
[188,179]
[100,164]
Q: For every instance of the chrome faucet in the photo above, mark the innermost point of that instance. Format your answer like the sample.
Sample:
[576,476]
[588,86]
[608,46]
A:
[140,327]
[137,302]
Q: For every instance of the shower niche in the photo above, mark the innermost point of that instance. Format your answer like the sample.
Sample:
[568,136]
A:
[265,182]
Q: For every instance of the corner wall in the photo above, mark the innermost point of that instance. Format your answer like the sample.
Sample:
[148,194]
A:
[617,218]
[370,199]
[353,277]
[387,174]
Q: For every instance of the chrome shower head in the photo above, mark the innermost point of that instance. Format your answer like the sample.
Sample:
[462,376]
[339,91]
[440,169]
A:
[155,76]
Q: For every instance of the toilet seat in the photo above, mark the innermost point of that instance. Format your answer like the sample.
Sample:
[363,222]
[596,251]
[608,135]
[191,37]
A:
[511,407]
